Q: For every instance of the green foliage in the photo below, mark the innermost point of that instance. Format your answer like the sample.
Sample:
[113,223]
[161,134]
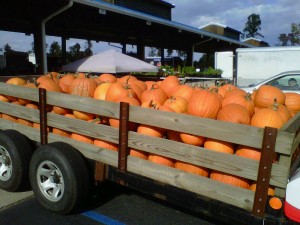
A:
[252,27]
[292,38]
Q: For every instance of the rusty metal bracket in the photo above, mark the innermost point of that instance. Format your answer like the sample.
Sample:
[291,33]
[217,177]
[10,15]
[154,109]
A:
[123,137]
[264,171]
[43,115]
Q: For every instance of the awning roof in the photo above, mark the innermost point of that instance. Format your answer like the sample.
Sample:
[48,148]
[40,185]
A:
[100,21]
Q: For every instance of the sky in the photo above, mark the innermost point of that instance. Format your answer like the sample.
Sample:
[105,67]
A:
[276,16]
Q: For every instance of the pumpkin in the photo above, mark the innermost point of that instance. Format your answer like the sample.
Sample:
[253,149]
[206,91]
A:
[117,91]
[150,130]
[170,85]
[16,81]
[9,117]
[24,122]
[243,100]
[265,95]
[60,110]
[192,139]
[292,102]
[267,117]
[155,94]
[234,113]
[60,132]
[184,91]
[204,103]
[82,138]
[220,146]
[198,170]
[48,83]
[66,81]
[222,90]
[161,160]
[83,115]
[150,104]
[141,84]
[127,79]
[83,86]
[271,190]
[248,152]
[151,84]
[138,153]
[173,135]
[177,103]
[106,144]
[230,179]
[3,98]
[106,78]
[101,90]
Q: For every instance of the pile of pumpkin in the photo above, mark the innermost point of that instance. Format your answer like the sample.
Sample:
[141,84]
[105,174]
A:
[267,106]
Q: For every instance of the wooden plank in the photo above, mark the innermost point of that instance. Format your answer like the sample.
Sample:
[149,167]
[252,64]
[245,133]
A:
[201,185]
[84,104]
[19,91]
[228,163]
[293,125]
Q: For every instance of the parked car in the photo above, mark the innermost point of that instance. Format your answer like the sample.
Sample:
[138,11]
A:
[287,81]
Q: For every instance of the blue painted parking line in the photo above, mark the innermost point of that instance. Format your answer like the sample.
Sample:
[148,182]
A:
[101,218]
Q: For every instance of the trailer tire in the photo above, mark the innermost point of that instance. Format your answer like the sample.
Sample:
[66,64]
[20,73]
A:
[15,154]
[59,177]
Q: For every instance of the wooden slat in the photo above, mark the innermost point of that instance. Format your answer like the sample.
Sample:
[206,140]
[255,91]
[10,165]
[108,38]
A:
[19,91]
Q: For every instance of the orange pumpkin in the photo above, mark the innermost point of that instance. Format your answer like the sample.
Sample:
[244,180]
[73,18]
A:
[184,91]
[82,138]
[117,91]
[267,117]
[16,81]
[161,160]
[204,103]
[192,139]
[265,95]
[138,153]
[60,132]
[220,146]
[66,81]
[106,144]
[106,78]
[83,115]
[60,110]
[222,90]
[177,103]
[234,113]
[292,102]
[202,171]
[230,179]
[101,90]
[48,83]
[271,190]
[150,130]
[170,85]
[83,86]
[243,100]
[155,94]
[248,152]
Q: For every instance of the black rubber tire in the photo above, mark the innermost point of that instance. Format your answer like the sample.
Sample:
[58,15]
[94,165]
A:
[73,174]
[20,149]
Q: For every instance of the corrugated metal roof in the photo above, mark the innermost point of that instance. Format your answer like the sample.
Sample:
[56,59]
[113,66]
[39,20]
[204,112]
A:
[153,19]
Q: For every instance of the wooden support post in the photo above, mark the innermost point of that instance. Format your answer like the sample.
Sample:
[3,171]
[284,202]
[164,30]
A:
[43,116]
[123,136]
[264,171]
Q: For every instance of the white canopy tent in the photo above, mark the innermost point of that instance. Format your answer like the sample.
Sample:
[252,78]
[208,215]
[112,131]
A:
[109,61]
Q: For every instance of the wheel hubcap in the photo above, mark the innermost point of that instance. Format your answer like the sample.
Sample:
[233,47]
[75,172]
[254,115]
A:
[5,164]
[50,181]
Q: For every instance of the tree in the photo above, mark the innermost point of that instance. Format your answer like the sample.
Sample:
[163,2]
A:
[7,48]
[74,53]
[88,48]
[55,49]
[152,52]
[169,52]
[292,38]
[252,27]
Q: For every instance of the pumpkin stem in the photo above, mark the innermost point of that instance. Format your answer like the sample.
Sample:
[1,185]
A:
[275,105]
